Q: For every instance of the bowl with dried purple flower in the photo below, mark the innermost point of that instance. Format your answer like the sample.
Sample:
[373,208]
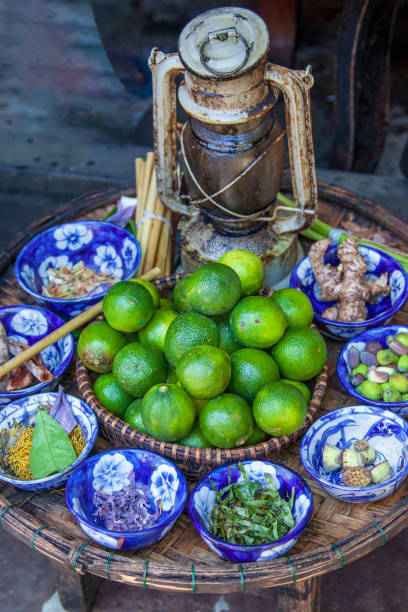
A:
[126,499]
[70,267]
[43,438]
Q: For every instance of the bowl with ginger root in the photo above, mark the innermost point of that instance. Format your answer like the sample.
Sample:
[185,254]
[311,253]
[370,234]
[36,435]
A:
[352,288]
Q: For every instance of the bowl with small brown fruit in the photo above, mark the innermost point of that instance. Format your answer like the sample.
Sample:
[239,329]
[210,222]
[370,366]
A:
[358,454]
[373,367]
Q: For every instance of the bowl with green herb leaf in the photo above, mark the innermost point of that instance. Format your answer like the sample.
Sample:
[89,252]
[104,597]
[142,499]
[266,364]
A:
[251,511]
[43,438]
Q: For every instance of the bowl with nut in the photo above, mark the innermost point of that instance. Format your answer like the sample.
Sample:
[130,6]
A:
[373,367]
[358,454]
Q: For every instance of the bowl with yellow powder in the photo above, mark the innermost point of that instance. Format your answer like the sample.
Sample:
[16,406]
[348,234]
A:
[43,438]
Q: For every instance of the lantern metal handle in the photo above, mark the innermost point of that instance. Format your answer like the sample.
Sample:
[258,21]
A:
[164,69]
[295,86]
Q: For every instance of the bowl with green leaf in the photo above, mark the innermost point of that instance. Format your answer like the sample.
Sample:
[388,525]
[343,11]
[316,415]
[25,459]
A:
[43,438]
[251,511]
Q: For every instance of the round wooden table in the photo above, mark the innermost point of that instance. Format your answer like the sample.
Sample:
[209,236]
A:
[338,533]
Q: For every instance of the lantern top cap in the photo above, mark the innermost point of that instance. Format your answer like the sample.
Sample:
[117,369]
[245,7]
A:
[223,43]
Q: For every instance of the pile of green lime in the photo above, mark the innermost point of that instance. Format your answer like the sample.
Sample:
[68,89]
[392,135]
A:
[217,366]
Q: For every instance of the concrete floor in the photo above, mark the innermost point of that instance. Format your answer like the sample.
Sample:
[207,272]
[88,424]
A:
[68,126]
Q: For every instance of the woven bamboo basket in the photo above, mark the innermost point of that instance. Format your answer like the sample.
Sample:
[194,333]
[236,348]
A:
[194,462]
[338,534]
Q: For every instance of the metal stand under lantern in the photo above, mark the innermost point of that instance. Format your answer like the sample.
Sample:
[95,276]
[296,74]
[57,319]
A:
[232,146]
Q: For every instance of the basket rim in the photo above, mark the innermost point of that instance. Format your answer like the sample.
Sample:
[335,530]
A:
[210,457]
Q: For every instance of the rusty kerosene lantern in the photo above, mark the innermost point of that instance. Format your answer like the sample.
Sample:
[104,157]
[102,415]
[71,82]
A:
[232,146]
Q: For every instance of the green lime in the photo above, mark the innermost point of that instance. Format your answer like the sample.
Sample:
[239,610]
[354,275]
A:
[251,369]
[110,395]
[226,421]
[295,305]
[279,409]
[249,268]
[165,304]
[127,306]
[133,415]
[154,333]
[168,412]
[180,300]
[256,437]
[301,386]
[257,322]
[137,368]
[213,289]
[152,289]
[227,342]
[205,371]
[98,345]
[187,331]
[196,438]
[300,354]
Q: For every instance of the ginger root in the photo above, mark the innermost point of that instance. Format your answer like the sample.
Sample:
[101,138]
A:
[346,284]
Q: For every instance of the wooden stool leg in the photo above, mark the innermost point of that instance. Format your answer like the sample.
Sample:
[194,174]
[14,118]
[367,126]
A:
[77,593]
[301,597]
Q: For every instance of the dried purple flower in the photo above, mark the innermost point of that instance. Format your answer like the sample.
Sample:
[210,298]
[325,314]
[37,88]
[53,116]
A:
[126,510]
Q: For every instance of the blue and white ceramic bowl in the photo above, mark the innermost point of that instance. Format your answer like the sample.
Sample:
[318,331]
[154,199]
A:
[377,262]
[384,430]
[23,411]
[158,478]
[202,500]
[359,342]
[28,324]
[102,246]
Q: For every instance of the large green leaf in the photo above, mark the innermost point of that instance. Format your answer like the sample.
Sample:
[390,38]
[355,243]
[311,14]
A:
[51,448]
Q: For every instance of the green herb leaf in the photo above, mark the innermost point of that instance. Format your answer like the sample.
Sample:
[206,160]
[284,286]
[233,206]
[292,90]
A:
[51,448]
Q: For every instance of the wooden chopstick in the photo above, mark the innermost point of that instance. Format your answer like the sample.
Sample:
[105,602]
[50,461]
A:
[62,331]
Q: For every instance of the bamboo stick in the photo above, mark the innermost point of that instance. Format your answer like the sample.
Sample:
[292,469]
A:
[154,238]
[62,331]
[147,177]
[146,225]
[139,169]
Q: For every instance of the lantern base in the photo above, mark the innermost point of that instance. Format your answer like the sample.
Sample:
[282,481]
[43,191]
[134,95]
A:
[201,244]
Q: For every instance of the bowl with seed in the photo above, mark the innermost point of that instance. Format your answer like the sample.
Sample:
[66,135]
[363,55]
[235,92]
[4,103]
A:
[70,267]
[373,367]
[358,454]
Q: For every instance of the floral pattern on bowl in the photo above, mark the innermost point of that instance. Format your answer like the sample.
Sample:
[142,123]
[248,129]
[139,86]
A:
[23,411]
[384,430]
[102,246]
[302,278]
[28,324]
[202,500]
[158,477]
[359,342]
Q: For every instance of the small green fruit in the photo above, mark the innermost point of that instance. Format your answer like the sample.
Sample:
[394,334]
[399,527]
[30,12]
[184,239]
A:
[391,395]
[371,390]
[385,386]
[381,472]
[404,397]
[360,369]
[385,357]
[403,338]
[399,382]
[403,363]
